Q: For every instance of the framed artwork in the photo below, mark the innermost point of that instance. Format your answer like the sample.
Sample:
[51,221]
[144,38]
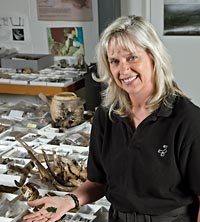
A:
[65,41]
[13,28]
[64,10]
[181,18]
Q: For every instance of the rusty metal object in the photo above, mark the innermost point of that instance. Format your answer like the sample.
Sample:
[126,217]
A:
[24,171]
[29,191]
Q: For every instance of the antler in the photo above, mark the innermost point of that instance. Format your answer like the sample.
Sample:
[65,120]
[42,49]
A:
[58,179]
[43,172]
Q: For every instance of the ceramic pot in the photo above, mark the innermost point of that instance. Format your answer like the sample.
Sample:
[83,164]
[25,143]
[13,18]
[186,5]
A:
[67,109]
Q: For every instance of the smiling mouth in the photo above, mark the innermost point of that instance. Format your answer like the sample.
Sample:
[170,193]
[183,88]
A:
[127,81]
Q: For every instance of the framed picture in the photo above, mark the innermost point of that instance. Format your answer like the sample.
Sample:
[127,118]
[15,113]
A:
[181,18]
[65,41]
[65,10]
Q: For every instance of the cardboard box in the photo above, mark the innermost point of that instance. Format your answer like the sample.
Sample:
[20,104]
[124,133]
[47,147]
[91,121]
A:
[33,61]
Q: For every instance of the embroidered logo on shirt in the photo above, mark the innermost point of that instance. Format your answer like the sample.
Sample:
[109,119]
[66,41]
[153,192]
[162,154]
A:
[163,151]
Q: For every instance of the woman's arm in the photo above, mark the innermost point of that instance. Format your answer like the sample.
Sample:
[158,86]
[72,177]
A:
[89,192]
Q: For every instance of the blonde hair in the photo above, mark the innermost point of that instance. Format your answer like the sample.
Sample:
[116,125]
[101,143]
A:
[121,33]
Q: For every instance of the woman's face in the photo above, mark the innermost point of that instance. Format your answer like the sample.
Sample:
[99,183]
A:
[132,72]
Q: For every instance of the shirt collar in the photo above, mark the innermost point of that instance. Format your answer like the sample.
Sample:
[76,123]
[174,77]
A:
[163,111]
[166,108]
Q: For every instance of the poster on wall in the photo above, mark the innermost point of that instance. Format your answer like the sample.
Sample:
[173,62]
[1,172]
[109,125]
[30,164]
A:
[64,10]
[181,18]
[66,41]
[13,29]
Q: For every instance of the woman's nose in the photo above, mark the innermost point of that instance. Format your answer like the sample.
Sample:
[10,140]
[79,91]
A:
[124,67]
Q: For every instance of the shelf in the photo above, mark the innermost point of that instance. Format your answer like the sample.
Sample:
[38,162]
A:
[35,90]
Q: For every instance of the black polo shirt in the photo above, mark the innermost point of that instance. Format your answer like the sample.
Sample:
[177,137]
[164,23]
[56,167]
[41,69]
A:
[151,169]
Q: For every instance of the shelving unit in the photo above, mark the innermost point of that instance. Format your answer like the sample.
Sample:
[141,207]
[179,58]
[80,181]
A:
[35,90]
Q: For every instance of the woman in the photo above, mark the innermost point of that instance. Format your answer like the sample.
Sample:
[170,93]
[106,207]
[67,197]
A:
[144,149]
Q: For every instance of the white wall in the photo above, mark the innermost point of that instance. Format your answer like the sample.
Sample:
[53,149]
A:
[37,34]
[141,7]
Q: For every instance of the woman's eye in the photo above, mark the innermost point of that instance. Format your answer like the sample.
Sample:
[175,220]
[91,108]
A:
[114,62]
[132,58]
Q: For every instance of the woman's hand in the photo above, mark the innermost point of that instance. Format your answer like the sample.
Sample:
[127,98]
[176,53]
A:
[53,208]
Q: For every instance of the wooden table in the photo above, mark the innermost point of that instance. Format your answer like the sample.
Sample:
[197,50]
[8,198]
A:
[35,90]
